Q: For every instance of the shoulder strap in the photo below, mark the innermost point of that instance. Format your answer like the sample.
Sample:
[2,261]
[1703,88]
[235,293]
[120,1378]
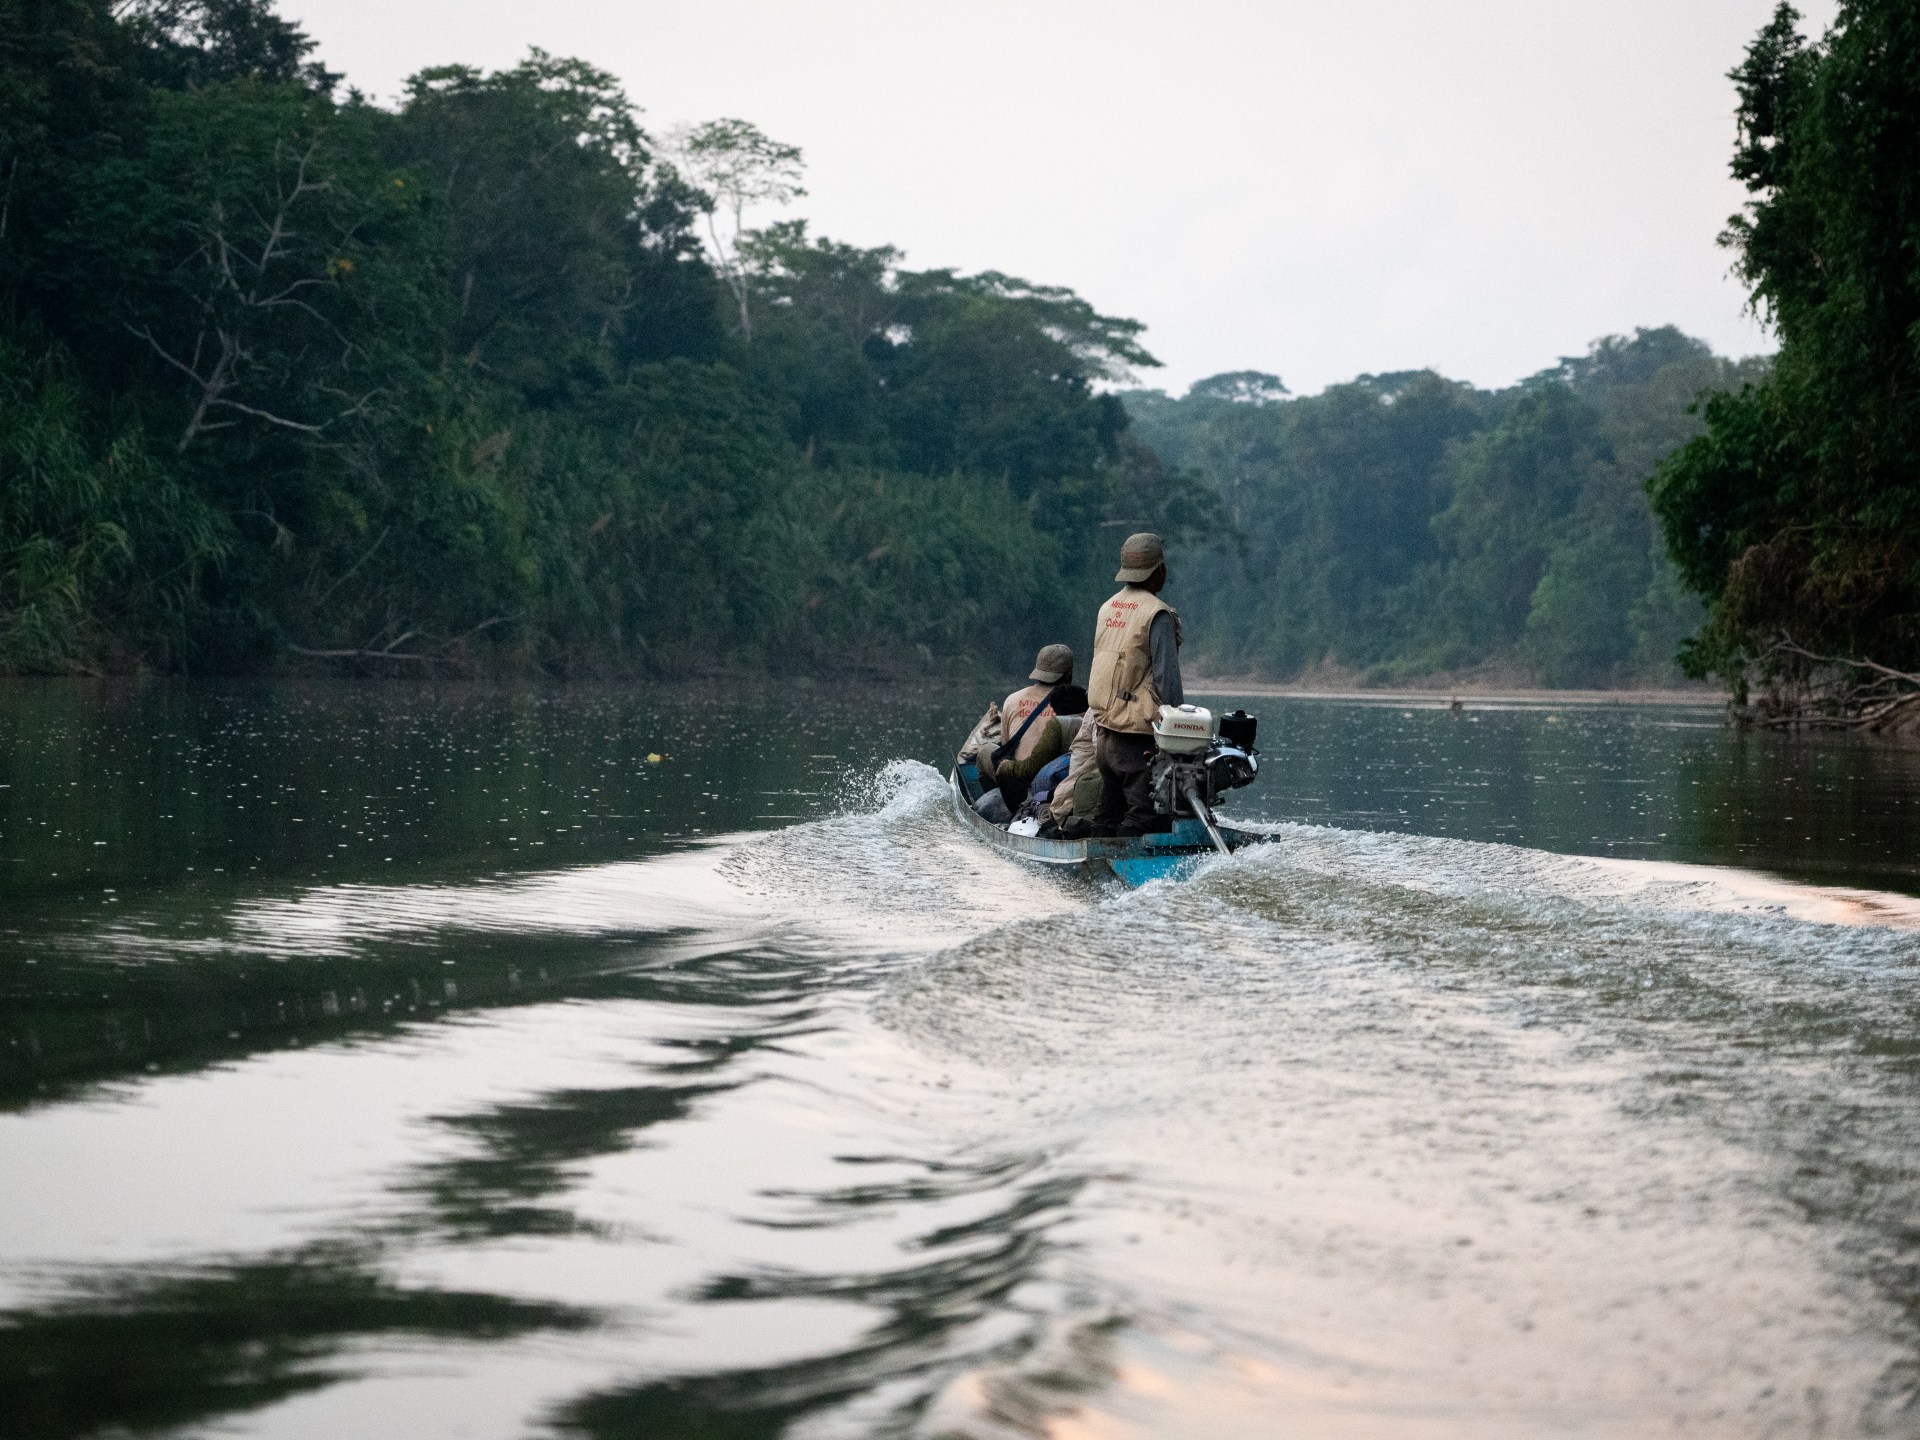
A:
[1007,747]
[1027,724]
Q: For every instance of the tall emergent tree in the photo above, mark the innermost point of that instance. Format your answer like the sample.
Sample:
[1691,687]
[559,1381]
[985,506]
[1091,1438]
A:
[736,165]
[1797,513]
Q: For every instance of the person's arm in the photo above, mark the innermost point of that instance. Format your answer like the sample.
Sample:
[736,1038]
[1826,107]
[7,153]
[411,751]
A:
[1163,648]
[1050,746]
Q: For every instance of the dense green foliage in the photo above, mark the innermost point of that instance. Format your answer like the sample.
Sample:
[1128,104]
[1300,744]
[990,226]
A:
[283,373]
[1797,512]
[1407,524]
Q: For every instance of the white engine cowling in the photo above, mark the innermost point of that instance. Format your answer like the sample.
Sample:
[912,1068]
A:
[1184,729]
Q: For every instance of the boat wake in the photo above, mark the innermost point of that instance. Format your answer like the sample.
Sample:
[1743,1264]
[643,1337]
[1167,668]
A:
[895,872]
[1404,1135]
[886,1131]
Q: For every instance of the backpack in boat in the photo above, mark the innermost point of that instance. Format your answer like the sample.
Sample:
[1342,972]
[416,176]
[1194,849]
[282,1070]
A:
[985,735]
[1047,779]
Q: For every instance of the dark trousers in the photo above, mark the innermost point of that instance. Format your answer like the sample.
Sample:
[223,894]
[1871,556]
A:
[1126,775]
[1013,789]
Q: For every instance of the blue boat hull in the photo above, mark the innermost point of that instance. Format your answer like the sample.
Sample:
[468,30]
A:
[1135,861]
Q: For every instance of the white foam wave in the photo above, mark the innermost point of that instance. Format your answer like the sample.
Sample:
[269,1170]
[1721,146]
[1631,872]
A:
[1380,1117]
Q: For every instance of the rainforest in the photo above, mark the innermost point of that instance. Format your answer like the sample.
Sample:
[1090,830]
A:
[495,378]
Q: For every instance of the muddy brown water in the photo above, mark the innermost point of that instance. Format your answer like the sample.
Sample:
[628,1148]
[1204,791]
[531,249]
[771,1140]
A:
[388,1061]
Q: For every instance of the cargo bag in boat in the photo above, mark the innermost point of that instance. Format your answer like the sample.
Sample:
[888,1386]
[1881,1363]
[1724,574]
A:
[1047,779]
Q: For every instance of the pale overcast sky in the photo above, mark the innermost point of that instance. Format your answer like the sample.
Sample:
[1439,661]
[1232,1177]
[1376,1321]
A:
[1316,190]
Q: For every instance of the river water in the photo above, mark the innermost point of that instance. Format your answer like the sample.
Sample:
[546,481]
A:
[397,1062]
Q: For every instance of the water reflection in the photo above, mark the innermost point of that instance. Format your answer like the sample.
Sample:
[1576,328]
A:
[597,1122]
[108,789]
[527,1152]
[1658,783]
[156,1348]
[86,1023]
[972,1235]
[954,1310]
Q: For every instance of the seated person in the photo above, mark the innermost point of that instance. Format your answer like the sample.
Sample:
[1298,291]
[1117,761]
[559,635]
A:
[1076,796]
[1030,724]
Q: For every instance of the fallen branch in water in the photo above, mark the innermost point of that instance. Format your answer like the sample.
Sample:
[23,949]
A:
[392,651]
[1795,698]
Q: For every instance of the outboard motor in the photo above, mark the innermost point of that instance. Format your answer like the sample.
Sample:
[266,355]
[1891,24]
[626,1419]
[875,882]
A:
[1201,754]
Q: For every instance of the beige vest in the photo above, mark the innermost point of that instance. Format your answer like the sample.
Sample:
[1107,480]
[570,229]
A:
[1013,715]
[1120,689]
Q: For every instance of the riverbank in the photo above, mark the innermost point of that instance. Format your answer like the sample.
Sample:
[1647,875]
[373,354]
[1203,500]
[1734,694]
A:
[1704,697]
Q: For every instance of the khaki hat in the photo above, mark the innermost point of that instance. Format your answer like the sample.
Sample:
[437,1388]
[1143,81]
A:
[1052,665]
[1140,557]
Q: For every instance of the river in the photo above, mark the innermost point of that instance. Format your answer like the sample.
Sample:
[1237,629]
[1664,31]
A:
[400,1061]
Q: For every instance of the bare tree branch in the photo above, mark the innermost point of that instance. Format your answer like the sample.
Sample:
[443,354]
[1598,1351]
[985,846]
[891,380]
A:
[1801,698]
[347,574]
[1905,676]
[391,650]
[270,417]
[6,205]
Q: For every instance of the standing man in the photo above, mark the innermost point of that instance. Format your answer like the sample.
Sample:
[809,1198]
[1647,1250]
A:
[1136,670]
